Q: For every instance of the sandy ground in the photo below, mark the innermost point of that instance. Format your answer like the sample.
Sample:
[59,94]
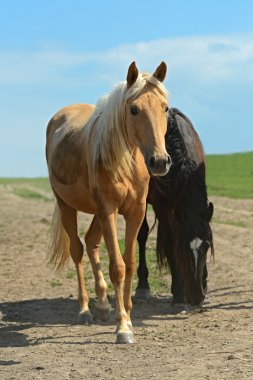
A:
[39,336]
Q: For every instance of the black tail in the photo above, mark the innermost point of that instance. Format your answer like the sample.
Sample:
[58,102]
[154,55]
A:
[162,261]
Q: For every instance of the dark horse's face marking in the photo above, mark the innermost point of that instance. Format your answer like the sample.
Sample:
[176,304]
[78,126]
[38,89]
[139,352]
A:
[196,246]
[195,277]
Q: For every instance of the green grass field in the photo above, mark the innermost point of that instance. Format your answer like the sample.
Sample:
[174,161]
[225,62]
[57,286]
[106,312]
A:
[228,175]
[38,183]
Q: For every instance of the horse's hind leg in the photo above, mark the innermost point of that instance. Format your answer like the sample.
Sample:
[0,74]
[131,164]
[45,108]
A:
[92,240]
[143,290]
[69,220]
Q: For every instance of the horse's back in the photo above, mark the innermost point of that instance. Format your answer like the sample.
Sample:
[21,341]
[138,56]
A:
[71,117]
[64,131]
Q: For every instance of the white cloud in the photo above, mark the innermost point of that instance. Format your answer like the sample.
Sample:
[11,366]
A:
[209,77]
[205,59]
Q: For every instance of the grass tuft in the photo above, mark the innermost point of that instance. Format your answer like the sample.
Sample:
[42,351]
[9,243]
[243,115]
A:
[71,274]
[55,283]
[29,194]
[236,223]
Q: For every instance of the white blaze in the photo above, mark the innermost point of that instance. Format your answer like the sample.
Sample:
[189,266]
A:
[194,245]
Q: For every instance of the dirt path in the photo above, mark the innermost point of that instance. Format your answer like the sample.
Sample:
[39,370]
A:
[39,338]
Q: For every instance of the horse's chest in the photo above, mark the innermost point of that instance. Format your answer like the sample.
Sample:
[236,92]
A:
[133,195]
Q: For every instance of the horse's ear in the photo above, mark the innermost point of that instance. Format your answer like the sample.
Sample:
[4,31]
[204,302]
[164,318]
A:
[160,72]
[132,74]
[210,211]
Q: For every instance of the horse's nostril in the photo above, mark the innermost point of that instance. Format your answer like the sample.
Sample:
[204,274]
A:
[152,162]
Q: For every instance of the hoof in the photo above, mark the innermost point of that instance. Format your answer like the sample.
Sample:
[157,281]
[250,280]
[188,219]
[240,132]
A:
[143,294]
[102,315]
[125,337]
[85,318]
[178,308]
[196,309]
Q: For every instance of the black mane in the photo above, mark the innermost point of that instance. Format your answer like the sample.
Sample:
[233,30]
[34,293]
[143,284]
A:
[187,175]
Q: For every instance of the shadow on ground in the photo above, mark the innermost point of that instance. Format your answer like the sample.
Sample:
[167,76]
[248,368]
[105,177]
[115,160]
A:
[22,315]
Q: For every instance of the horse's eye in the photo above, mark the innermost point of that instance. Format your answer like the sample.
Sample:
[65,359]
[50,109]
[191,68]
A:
[134,110]
[166,109]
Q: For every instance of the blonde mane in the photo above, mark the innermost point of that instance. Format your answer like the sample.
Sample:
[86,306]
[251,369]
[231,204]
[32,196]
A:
[105,133]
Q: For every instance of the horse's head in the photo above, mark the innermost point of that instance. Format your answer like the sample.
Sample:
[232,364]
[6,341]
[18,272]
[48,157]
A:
[195,247]
[146,117]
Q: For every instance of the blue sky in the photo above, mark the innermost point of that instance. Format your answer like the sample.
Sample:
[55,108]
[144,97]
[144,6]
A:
[57,52]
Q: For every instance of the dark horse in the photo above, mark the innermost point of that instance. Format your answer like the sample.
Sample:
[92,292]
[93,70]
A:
[180,203]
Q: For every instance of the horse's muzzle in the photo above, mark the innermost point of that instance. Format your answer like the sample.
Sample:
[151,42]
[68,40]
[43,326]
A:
[159,166]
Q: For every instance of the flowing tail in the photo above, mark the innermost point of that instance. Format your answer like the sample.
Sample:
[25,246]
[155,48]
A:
[59,245]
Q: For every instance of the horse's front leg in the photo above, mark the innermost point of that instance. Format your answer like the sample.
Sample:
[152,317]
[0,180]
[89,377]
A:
[133,223]
[117,271]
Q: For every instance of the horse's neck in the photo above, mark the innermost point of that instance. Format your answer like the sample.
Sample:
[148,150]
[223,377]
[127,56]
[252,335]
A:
[140,170]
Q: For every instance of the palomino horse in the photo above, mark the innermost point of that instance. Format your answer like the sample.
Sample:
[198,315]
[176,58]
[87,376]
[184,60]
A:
[99,160]
[180,202]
